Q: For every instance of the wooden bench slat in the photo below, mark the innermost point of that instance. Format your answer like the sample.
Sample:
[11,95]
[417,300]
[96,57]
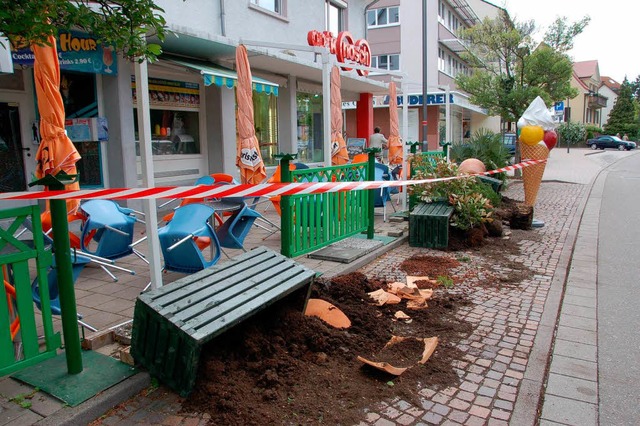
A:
[221,303]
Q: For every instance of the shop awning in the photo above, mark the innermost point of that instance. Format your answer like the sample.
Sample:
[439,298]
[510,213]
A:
[223,77]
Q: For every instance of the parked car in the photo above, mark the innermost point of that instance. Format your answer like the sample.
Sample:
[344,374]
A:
[509,141]
[606,141]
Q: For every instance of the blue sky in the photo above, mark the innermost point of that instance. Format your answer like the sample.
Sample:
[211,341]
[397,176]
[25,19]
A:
[612,36]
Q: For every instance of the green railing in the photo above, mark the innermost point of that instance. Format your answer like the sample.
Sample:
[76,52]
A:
[17,310]
[312,221]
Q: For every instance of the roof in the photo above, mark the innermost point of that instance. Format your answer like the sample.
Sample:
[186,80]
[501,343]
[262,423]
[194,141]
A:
[586,69]
[610,83]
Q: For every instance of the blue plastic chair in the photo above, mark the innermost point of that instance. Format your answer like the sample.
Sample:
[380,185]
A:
[233,232]
[179,239]
[78,262]
[114,229]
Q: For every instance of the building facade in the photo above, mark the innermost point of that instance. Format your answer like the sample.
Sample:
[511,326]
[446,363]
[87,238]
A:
[192,94]
[609,89]
[587,106]
[394,30]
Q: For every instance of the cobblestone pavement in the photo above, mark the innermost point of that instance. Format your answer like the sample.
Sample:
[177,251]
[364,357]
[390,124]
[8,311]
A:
[506,320]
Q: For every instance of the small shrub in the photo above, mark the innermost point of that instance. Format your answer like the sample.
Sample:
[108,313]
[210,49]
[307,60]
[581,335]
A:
[446,282]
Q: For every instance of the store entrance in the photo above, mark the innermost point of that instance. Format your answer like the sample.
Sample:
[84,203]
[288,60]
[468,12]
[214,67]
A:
[12,175]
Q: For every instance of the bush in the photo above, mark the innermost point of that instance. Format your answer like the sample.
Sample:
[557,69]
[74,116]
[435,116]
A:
[571,133]
[487,147]
[468,197]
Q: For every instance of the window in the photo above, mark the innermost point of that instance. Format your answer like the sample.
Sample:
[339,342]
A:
[386,62]
[383,17]
[265,116]
[274,6]
[441,60]
[334,18]
[310,131]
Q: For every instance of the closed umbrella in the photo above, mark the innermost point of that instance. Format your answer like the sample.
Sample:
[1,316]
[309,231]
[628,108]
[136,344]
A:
[339,154]
[248,157]
[56,151]
[395,144]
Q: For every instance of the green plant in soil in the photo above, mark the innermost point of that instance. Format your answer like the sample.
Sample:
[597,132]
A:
[469,198]
[445,281]
[487,147]
[24,399]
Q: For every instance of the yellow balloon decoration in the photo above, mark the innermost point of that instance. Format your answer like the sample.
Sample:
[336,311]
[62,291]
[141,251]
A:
[531,135]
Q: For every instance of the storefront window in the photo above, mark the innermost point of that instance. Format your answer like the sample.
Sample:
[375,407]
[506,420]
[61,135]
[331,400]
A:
[175,121]
[78,90]
[265,113]
[310,128]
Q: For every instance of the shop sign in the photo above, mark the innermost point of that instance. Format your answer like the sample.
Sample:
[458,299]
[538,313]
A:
[250,157]
[344,47]
[413,100]
[170,93]
[76,52]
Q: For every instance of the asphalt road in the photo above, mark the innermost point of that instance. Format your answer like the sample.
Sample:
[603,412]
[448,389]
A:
[619,294]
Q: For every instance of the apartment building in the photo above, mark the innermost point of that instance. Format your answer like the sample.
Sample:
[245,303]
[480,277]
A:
[394,31]
[191,92]
[588,105]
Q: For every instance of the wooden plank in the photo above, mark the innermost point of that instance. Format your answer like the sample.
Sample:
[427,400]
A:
[241,292]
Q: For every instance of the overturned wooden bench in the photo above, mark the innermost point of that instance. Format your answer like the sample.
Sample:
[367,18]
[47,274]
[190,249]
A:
[172,323]
[429,225]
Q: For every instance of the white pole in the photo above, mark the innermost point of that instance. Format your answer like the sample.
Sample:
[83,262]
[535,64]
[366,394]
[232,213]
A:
[146,159]
[447,114]
[405,138]
[326,107]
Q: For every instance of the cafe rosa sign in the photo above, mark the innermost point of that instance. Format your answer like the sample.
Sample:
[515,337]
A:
[344,47]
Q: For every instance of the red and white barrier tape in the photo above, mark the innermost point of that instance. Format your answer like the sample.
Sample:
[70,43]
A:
[242,190]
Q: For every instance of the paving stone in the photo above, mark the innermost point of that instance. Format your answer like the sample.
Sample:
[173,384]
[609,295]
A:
[573,367]
[568,411]
[571,387]
[589,324]
[577,335]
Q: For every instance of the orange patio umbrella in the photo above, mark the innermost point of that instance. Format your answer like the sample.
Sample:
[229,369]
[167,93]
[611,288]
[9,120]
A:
[248,157]
[395,144]
[56,151]
[339,154]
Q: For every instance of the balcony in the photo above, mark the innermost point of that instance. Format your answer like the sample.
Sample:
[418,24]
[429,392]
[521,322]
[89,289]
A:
[596,100]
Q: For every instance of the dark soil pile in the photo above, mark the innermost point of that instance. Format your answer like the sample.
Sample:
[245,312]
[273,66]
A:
[281,367]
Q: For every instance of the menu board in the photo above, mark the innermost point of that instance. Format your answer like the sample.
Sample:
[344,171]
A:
[355,146]
[170,93]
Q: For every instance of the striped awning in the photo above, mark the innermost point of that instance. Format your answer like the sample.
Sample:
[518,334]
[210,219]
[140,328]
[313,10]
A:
[224,77]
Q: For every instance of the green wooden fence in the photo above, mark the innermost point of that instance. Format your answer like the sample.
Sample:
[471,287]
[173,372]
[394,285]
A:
[312,221]
[17,310]
[429,157]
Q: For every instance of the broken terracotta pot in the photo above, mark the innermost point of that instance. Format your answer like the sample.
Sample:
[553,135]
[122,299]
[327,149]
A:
[328,313]
[381,297]
[430,344]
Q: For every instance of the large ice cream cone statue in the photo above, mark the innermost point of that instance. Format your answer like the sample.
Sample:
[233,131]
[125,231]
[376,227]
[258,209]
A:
[532,175]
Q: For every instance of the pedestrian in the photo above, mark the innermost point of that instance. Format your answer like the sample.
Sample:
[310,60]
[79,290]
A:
[377,140]
[625,137]
[618,135]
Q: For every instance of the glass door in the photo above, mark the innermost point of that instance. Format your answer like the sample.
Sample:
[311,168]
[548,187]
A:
[12,171]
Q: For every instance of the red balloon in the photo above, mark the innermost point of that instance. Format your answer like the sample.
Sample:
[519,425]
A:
[550,139]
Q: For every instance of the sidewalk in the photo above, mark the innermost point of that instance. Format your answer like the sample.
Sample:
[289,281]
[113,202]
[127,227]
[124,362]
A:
[502,372]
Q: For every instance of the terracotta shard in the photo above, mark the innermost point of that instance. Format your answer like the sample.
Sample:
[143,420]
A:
[430,344]
[328,313]
[411,280]
[381,297]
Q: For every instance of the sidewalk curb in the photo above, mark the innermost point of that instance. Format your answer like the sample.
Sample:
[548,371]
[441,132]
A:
[99,404]
[525,411]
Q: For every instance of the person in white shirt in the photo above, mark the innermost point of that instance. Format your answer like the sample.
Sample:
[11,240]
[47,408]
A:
[377,140]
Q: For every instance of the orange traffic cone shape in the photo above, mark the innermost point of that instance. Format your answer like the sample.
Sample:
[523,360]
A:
[532,175]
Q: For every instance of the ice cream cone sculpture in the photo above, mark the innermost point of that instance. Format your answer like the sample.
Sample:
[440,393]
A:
[532,175]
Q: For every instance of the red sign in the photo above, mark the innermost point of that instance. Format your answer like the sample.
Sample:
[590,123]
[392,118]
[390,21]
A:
[344,47]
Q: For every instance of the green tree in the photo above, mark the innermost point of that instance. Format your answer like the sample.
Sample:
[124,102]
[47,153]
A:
[508,72]
[122,24]
[560,34]
[622,118]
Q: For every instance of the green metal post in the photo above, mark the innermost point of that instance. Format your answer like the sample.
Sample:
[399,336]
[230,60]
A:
[413,147]
[371,176]
[64,271]
[286,231]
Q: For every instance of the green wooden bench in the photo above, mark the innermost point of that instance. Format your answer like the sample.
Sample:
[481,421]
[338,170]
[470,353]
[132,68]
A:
[429,225]
[496,184]
[172,323]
